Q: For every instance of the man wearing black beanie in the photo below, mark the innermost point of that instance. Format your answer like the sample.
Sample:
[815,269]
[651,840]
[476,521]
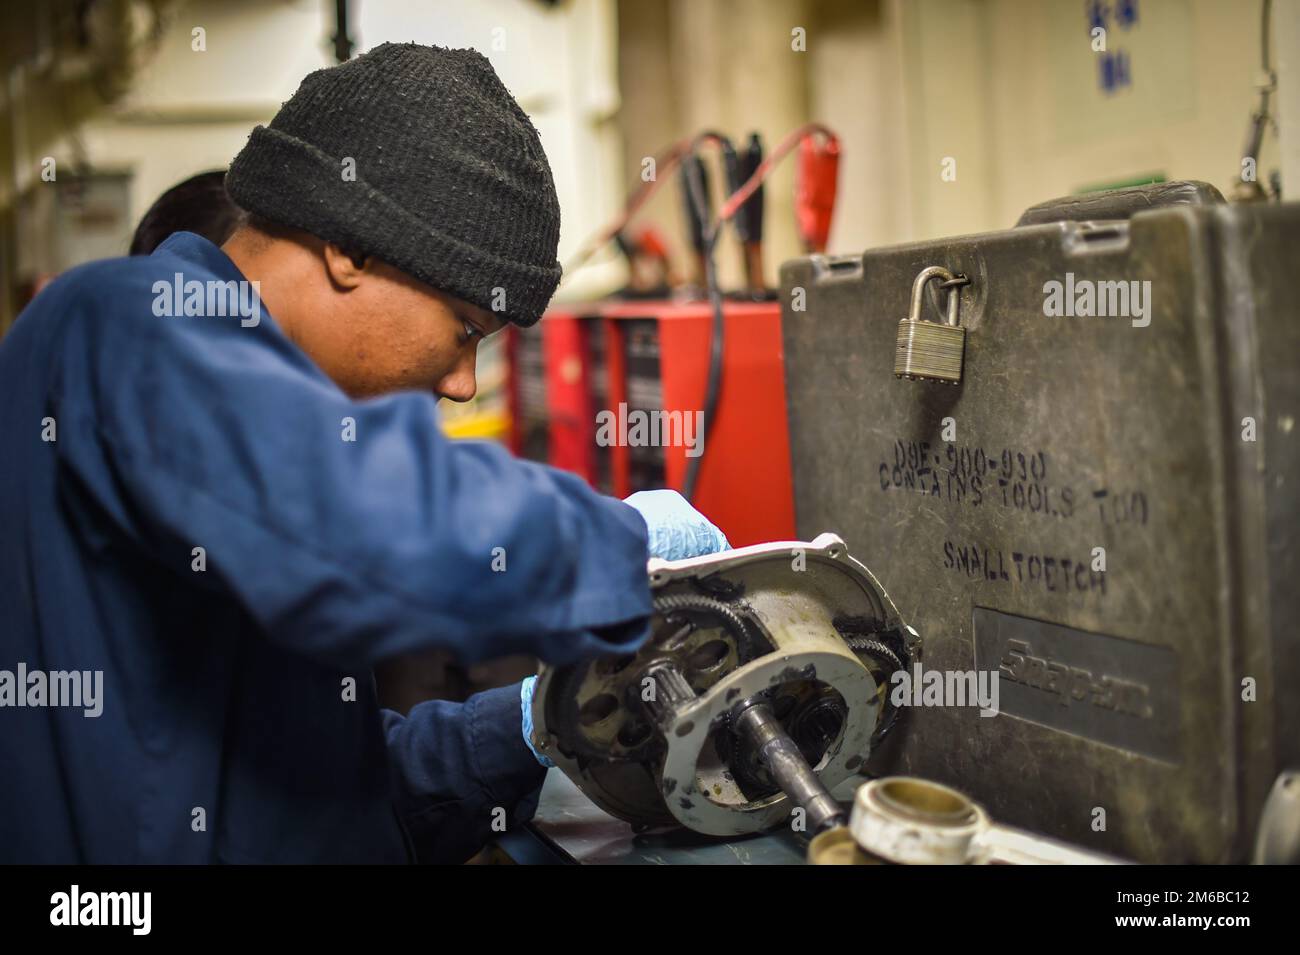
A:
[228,497]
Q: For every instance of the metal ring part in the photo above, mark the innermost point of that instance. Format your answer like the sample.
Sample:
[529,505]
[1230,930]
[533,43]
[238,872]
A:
[915,822]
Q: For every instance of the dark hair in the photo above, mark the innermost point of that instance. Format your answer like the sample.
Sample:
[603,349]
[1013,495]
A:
[199,205]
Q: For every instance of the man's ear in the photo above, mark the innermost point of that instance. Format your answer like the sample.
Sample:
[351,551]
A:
[345,269]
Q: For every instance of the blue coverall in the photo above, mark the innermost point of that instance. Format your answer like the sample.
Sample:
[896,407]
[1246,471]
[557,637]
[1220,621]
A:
[228,730]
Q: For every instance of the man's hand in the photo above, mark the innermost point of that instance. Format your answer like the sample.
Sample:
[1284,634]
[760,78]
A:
[677,530]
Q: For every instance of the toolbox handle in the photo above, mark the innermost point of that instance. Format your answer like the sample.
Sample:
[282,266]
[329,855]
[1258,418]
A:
[1122,203]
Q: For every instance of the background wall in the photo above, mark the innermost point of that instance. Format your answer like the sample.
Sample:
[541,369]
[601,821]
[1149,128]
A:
[1010,89]
[177,111]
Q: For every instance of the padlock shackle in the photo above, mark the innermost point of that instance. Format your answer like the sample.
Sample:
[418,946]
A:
[918,289]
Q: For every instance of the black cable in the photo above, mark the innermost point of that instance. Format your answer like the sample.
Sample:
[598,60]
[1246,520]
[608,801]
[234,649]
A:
[1259,119]
[713,387]
[1265,61]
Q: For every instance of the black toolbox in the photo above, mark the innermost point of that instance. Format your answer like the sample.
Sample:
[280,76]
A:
[1145,709]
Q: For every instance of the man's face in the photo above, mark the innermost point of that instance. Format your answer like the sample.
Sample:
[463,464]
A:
[388,332]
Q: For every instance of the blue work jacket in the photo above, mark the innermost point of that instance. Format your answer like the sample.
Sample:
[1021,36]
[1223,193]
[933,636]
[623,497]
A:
[192,513]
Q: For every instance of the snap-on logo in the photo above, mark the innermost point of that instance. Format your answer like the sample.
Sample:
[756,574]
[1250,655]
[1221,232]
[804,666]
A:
[1070,680]
[1073,684]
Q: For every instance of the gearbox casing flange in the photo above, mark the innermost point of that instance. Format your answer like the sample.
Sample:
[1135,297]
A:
[801,626]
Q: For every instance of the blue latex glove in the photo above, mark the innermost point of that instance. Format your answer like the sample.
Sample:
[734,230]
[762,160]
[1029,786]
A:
[677,530]
[526,704]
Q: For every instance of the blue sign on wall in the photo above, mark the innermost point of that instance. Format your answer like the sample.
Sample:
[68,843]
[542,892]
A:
[1114,66]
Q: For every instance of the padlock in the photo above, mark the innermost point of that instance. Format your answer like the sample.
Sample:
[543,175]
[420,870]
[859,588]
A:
[931,351]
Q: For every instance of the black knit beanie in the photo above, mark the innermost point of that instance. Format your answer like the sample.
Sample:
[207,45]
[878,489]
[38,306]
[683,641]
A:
[448,181]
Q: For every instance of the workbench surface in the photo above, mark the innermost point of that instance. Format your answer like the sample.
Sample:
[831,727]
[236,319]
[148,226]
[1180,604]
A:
[569,828]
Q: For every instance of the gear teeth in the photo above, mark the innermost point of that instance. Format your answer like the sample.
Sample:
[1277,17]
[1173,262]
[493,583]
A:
[876,648]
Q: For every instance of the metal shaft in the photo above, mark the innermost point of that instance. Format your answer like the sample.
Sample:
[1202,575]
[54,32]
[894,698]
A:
[779,754]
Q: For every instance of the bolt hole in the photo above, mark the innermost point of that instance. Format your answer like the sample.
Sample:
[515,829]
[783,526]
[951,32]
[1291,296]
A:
[634,734]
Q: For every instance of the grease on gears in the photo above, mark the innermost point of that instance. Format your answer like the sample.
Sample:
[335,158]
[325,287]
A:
[800,628]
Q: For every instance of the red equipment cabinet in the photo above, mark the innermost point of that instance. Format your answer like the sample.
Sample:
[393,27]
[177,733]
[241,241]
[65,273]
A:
[655,356]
